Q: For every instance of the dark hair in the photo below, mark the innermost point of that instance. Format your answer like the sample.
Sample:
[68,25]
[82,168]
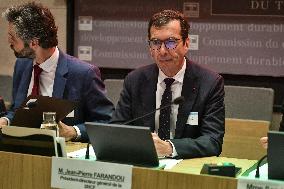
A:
[33,21]
[164,17]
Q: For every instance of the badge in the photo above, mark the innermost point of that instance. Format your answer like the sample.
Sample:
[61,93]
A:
[192,118]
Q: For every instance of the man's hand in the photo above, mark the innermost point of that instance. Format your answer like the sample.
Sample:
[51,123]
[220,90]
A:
[264,142]
[3,122]
[163,148]
[66,131]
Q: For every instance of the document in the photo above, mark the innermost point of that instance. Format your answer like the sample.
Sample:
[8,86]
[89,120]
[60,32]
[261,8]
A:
[80,154]
[170,163]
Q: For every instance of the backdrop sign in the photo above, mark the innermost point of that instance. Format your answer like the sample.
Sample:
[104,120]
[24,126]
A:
[244,38]
[249,7]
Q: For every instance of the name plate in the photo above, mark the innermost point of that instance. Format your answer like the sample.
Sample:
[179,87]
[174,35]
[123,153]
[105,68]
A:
[76,174]
[245,183]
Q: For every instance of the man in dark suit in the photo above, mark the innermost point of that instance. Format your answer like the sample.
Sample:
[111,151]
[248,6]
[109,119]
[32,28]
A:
[32,35]
[196,126]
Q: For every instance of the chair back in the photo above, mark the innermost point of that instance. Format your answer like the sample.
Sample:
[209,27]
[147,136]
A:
[114,87]
[253,103]
[6,87]
[2,107]
[242,138]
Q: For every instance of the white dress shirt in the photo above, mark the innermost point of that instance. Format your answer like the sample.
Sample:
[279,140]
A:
[176,89]
[46,78]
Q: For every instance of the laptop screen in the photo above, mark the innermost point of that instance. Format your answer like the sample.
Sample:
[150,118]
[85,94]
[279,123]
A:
[123,144]
[31,110]
[275,155]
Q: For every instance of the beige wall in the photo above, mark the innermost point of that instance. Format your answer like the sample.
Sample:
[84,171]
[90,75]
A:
[7,58]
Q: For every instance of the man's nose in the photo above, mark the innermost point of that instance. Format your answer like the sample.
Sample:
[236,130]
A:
[9,40]
[163,49]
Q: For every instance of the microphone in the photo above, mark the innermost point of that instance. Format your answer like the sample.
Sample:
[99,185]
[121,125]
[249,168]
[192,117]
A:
[31,104]
[178,100]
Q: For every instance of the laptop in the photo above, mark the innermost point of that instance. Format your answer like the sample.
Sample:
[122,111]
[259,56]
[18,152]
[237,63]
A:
[30,112]
[275,155]
[122,144]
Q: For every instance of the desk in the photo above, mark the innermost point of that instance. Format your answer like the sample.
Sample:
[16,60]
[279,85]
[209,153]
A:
[192,166]
[22,171]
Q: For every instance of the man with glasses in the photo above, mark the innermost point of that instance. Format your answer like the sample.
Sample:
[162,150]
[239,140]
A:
[194,128]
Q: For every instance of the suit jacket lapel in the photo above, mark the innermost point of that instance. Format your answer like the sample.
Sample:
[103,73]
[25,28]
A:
[148,96]
[60,80]
[25,82]
[189,92]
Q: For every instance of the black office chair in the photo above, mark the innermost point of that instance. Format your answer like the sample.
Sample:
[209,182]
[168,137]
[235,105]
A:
[2,107]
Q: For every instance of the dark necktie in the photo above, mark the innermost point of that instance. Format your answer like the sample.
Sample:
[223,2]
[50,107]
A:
[37,71]
[164,119]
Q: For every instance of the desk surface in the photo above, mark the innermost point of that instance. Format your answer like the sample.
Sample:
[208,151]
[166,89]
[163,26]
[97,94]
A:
[73,146]
[192,166]
[29,171]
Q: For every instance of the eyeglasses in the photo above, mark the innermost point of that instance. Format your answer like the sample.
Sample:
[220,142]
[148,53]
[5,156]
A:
[170,43]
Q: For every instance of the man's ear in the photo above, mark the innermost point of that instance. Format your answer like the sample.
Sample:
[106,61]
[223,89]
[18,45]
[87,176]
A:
[187,42]
[34,44]
[151,52]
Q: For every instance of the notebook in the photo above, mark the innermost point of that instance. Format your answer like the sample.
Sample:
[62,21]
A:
[275,155]
[31,110]
[123,144]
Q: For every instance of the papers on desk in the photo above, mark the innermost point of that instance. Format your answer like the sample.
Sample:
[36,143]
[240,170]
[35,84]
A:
[167,162]
[81,153]
[170,163]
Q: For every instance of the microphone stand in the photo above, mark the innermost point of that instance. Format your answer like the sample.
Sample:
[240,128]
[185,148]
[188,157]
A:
[178,100]
[258,165]
[87,155]
[145,115]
